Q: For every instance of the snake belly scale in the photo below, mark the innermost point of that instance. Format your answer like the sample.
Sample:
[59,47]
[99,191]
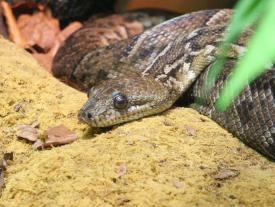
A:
[147,74]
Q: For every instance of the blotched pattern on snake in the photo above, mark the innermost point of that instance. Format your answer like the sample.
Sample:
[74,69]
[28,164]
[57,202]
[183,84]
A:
[147,74]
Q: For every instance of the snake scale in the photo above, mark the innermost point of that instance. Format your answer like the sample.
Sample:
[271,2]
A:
[148,73]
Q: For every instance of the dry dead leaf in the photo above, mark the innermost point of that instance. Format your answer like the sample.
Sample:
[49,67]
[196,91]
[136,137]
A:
[35,124]
[38,145]
[27,132]
[59,135]
[46,59]
[224,174]
[39,29]
[190,130]
[122,169]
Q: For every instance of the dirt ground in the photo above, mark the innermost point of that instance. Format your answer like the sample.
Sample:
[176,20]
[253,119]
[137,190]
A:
[178,158]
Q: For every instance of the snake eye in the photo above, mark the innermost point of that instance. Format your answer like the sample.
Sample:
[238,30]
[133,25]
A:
[120,101]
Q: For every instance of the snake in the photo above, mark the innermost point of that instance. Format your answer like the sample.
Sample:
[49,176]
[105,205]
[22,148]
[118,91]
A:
[148,73]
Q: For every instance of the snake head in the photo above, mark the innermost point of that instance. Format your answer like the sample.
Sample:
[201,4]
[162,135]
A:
[124,99]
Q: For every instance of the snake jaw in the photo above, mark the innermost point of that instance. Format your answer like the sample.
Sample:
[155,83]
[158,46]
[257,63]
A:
[117,117]
[100,110]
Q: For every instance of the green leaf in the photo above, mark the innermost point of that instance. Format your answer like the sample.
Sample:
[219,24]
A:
[246,13]
[260,53]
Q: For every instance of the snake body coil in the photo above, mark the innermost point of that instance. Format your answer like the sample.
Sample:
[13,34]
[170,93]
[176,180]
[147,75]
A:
[145,75]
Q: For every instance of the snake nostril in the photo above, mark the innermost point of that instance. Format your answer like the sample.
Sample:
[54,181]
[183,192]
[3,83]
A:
[89,115]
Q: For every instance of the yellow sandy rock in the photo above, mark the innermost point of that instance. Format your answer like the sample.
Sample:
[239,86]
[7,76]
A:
[165,160]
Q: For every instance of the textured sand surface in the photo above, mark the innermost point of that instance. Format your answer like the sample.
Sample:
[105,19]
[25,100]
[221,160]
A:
[165,160]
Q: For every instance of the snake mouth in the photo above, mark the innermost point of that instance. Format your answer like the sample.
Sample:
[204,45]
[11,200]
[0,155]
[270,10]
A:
[106,121]
[119,117]
[112,118]
[110,121]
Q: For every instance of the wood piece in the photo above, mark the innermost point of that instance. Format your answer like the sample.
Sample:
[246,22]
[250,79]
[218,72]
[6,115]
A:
[14,32]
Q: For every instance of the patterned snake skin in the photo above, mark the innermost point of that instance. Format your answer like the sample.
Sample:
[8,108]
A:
[147,74]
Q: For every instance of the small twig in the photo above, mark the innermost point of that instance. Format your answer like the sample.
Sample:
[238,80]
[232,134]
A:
[14,31]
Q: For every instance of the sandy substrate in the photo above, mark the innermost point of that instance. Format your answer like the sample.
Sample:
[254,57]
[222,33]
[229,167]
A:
[166,160]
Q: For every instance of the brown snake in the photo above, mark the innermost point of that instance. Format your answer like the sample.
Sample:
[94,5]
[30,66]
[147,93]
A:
[148,73]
